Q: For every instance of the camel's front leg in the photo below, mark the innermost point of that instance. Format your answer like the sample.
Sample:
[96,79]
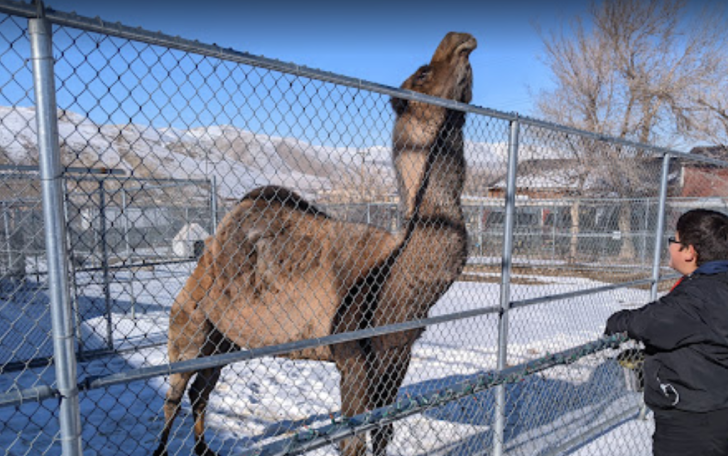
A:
[389,369]
[354,394]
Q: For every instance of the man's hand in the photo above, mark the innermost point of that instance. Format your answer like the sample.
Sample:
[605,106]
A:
[617,323]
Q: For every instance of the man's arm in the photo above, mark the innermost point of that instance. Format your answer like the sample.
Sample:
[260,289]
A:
[665,324]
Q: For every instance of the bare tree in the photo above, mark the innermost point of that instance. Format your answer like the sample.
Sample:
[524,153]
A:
[639,70]
[705,114]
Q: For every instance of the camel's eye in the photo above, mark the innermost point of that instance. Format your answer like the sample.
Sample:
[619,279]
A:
[423,74]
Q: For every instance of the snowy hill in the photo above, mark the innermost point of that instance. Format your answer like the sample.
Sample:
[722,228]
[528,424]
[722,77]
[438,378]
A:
[239,159]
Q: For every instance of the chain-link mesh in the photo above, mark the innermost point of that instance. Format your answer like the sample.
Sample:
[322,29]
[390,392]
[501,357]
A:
[159,145]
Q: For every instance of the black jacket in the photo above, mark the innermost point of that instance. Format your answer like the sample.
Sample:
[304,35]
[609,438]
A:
[686,342]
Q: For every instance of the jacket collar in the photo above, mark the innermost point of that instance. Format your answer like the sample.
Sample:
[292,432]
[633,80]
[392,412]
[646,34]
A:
[712,267]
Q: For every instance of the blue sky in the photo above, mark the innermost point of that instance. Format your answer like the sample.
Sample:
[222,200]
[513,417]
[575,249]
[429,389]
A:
[379,41]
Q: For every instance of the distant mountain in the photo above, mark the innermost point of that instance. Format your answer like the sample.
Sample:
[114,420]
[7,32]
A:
[240,160]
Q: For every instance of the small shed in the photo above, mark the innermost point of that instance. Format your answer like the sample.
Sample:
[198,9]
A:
[188,241]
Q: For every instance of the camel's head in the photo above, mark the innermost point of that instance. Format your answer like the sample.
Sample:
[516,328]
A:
[448,74]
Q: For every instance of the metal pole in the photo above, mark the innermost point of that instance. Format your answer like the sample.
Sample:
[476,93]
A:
[132,296]
[105,265]
[73,277]
[481,235]
[657,254]
[643,231]
[213,202]
[125,218]
[505,289]
[8,244]
[554,220]
[660,228]
[69,414]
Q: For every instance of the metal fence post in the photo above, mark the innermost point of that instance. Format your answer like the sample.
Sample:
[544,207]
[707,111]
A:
[505,289]
[51,177]
[73,286]
[481,228]
[125,219]
[660,228]
[657,254]
[213,203]
[8,245]
[105,264]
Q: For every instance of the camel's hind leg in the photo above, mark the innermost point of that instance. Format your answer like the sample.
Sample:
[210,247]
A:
[199,395]
[172,401]
[189,337]
[203,386]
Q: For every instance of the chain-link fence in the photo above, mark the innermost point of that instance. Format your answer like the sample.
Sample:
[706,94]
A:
[136,255]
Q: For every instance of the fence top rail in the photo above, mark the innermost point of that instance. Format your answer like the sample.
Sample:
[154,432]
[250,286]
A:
[98,25]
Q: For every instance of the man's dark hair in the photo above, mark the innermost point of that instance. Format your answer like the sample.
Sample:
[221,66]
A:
[707,231]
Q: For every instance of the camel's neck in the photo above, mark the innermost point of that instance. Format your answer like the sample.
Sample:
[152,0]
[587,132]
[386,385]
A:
[431,179]
[433,249]
[431,174]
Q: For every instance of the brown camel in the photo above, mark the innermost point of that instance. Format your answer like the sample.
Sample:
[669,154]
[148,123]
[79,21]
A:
[280,270]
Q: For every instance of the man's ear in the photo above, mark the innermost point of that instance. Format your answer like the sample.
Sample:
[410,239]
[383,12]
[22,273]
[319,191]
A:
[691,255]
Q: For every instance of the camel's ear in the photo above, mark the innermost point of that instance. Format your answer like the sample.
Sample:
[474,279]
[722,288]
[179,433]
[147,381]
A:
[414,82]
[417,80]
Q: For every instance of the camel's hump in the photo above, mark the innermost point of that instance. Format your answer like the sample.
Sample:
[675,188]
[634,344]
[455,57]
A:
[283,197]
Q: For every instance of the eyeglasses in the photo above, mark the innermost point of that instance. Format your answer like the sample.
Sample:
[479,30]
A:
[672,240]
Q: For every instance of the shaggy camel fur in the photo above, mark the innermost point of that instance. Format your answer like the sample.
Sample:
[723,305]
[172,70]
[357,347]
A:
[280,270]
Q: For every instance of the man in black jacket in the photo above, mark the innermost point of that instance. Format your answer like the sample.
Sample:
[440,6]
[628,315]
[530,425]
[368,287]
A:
[685,334]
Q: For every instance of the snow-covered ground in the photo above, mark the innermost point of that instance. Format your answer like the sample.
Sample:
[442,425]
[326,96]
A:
[260,401]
